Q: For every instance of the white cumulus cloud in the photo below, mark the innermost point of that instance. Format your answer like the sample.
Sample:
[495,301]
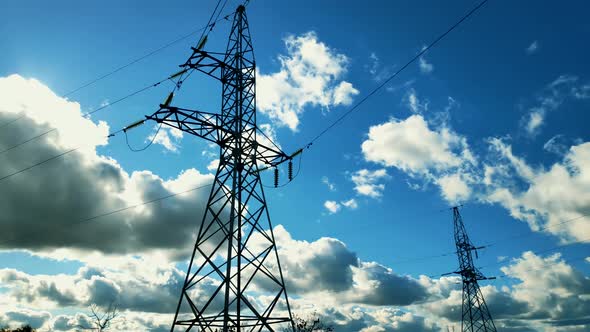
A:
[310,75]
[369,183]
[332,206]
[412,146]
[547,196]
[351,204]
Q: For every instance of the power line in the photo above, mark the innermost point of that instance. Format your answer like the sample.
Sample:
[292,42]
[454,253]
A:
[203,29]
[27,141]
[209,25]
[44,161]
[212,25]
[144,203]
[38,164]
[537,253]
[416,57]
[523,234]
[147,145]
[85,114]
[501,240]
[424,258]
[412,60]
[83,86]
[147,202]
[569,262]
[7,123]
[161,48]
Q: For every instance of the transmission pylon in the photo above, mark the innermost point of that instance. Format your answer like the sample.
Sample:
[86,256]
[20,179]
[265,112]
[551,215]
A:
[475,316]
[234,280]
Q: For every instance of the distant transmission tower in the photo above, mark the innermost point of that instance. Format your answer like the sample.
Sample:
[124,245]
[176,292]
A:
[234,280]
[475,316]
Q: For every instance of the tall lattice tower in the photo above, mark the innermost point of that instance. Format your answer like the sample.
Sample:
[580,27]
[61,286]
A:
[234,280]
[475,316]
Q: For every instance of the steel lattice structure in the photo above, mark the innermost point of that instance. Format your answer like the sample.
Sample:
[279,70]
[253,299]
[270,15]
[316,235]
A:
[475,316]
[234,280]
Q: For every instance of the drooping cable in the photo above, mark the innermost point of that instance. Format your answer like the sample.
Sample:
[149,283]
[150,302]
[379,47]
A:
[151,141]
[86,114]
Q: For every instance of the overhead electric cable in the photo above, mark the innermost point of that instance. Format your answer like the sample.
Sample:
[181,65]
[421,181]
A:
[500,240]
[44,161]
[153,138]
[526,234]
[537,253]
[87,114]
[542,268]
[412,60]
[7,123]
[129,207]
[85,85]
[132,62]
[144,203]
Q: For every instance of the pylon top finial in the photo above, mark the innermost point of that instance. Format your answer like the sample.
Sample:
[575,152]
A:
[241,9]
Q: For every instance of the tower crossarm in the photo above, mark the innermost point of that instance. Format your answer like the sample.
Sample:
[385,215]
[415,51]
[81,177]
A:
[209,126]
[271,156]
[471,275]
[198,123]
[209,63]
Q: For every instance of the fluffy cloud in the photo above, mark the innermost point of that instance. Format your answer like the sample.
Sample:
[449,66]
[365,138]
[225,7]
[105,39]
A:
[427,151]
[96,285]
[454,188]
[351,204]
[326,269]
[376,284]
[128,256]
[332,206]
[322,276]
[144,288]
[543,197]
[356,319]
[309,76]
[553,289]
[411,146]
[367,183]
[35,319]
[52,207]
[545,292]
[166,136]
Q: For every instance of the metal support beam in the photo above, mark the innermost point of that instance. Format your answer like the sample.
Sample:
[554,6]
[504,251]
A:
[234,280]
[475,316]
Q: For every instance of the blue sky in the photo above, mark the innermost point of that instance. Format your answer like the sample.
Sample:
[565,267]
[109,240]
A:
[493,117]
